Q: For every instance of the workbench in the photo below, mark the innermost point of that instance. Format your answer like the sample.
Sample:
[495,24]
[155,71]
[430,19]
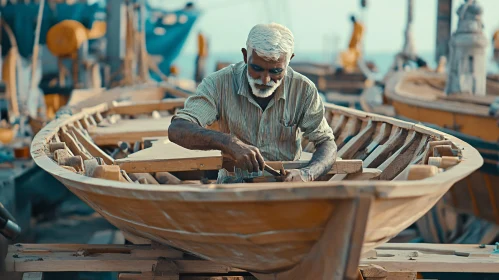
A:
[392,261]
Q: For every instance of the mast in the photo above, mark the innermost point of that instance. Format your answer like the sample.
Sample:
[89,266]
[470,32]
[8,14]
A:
[444,15]
[408,48]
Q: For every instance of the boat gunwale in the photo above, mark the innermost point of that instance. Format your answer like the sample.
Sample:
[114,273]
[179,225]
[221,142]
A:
[258,191]
[394,92]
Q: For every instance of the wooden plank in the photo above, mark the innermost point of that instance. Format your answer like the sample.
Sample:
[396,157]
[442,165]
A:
[382,133]
[401,158]
[356,143]
[93,149]
[129,131]
[379,155]
[366,174]
[435,258]
[73,145]
[351,129]
[85,257]
[147,106]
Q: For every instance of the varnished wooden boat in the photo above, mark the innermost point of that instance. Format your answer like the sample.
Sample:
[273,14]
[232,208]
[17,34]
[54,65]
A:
[386,179]
[419,96]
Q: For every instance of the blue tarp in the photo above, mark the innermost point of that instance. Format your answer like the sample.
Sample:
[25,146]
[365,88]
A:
[176,26]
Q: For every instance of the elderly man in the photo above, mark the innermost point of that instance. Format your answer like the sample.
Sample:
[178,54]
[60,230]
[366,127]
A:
[261,106]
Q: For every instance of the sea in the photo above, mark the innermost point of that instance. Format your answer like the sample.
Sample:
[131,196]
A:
[185,62]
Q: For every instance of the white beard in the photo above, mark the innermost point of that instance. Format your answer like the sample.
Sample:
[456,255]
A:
[262,93]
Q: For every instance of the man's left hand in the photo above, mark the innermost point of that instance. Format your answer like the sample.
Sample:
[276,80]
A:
[295,175]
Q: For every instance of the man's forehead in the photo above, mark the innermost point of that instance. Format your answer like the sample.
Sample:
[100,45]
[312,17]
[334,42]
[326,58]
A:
[255,57]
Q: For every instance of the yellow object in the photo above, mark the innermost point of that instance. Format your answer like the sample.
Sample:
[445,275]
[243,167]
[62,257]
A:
[496,39]
[66,37]
[174,70]
[53,102]
[98,30]
[202,46]
[348,59]
[7,134]
[357,34]
[351,56]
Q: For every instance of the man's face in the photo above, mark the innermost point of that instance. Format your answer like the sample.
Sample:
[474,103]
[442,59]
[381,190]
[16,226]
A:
[264,75]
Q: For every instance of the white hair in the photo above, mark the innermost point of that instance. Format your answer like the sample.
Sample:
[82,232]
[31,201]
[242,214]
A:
[270,41]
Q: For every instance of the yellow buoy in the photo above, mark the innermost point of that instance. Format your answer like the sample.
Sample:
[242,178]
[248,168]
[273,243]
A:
[66,37]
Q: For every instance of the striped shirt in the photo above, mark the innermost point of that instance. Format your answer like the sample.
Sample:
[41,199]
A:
[295,111]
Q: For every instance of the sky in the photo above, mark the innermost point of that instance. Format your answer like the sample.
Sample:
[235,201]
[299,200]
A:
[322,25]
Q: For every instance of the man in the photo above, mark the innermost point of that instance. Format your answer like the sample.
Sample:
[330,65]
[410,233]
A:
[261,106]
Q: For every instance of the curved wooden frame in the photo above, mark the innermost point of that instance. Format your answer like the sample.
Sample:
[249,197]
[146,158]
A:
[380,209]
[468,116]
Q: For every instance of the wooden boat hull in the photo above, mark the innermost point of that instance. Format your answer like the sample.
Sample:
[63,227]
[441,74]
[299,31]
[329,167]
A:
[477,194]
[278,230]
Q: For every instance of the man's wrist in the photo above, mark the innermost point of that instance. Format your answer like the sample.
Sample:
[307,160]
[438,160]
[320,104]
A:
[306,174]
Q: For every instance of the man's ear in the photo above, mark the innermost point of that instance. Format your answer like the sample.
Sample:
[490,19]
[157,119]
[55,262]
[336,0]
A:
[245,55]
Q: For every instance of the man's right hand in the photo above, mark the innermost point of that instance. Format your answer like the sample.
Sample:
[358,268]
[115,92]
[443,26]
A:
[247,157]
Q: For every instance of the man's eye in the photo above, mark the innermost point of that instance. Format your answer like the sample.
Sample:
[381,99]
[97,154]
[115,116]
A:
[256,68]
[276,71]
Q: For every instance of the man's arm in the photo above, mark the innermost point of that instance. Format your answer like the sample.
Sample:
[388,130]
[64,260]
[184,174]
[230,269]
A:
[187,128]
[322,161]
[192,136]
[317,130]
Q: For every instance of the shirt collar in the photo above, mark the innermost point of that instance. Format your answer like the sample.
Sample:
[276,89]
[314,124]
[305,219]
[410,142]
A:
[244,87]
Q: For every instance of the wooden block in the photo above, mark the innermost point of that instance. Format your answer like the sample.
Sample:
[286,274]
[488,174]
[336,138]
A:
[166,178]
[373,272]
[109,172]
[57,146]
[366,174]
[420,172]
[76,162]
[443,162]
[444,150]
[90,165]
[143,178]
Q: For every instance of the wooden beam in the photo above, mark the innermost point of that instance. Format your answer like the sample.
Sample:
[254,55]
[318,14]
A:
[148,107]
[93,149]
[90,257]
[435,258]
[215,163]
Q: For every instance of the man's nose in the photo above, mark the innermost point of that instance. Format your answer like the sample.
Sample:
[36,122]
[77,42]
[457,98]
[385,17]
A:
[265,78]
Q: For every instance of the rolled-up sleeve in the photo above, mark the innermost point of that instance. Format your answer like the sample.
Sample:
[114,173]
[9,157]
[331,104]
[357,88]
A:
[313,123]
[202,107]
